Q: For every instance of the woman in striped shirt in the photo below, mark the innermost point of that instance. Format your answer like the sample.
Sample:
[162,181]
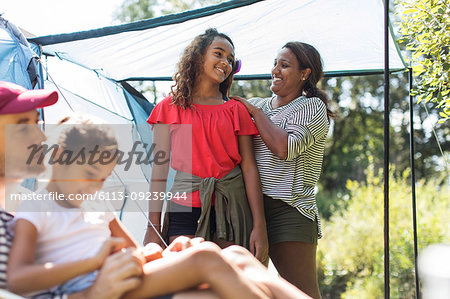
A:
[293,126]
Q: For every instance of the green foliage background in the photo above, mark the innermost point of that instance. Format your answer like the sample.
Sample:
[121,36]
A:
[425,30]
[351,253]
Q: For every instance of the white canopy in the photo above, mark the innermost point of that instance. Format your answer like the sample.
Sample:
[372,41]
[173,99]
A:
[347,33]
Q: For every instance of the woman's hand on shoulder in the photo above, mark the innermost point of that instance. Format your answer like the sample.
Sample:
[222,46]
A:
[250,107]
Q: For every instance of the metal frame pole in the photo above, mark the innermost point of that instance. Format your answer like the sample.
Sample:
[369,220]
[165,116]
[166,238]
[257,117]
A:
[413,178]
[386,150]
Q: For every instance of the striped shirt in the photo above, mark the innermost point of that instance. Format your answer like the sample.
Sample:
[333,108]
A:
[6,238]
[5,245]
[294,180]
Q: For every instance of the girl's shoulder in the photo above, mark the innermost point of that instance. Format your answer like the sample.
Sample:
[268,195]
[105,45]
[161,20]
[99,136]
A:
[236,107]
[167,101]
[234,104]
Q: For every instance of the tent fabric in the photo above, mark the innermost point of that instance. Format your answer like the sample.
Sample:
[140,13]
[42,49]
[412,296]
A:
[139,98]
[17,60]
[349,34]
[101,92]
[140,111]
[85,92]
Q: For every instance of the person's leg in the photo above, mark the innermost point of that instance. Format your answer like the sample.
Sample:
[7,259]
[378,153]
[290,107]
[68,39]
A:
[222,243]
[296,262]
[182,221]
[193,294]
[192,267]
[292,245]
[196,294]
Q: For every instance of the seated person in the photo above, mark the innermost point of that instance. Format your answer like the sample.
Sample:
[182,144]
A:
[122,271]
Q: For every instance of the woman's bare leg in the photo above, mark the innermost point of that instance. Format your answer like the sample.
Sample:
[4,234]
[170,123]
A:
[296,262]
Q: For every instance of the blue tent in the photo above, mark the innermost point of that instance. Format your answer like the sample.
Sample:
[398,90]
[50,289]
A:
[18,61]
[85,92]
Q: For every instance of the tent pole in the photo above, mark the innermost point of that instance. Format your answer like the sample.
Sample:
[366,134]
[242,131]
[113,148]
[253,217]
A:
[386,150]
[413,177]
[154,93]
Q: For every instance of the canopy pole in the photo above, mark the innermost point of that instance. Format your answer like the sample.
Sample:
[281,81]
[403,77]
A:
[386,150]
[413,178]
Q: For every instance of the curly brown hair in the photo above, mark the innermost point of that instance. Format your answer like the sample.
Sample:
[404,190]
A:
[191,66]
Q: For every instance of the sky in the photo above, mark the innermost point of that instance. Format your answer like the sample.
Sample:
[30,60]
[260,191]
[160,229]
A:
[44,17]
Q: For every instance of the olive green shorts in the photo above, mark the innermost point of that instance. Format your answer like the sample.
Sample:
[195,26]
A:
[285,223]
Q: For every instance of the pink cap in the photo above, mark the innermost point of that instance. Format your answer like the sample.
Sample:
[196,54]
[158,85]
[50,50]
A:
[17,99]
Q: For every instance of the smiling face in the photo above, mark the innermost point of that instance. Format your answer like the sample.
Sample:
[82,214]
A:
[287,78]
[17,133]
[218,60]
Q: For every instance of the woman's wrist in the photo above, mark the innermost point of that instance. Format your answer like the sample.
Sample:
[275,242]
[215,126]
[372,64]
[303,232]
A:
[254,110]
[260,225]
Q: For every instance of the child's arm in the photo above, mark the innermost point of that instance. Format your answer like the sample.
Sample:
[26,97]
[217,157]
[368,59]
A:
[150,252]
[24,276]
[161,139]
[258,238]
[118,230]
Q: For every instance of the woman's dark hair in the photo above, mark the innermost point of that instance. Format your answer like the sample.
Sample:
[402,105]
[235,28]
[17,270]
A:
[191,66]
[308,57]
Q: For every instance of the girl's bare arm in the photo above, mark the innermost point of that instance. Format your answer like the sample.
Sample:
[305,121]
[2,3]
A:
[161,139]
[258,238]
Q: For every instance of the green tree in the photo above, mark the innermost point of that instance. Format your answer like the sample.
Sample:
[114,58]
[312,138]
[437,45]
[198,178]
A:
[425,30]
[251,88]
[135,10]
[174,6]
[356,136]
[350,256]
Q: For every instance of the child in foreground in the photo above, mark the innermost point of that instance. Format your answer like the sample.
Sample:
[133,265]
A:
[59,244]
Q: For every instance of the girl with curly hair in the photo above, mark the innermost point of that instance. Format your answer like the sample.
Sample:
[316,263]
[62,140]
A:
[223,173]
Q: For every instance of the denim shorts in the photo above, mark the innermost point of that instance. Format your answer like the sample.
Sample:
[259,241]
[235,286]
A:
[183,220]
